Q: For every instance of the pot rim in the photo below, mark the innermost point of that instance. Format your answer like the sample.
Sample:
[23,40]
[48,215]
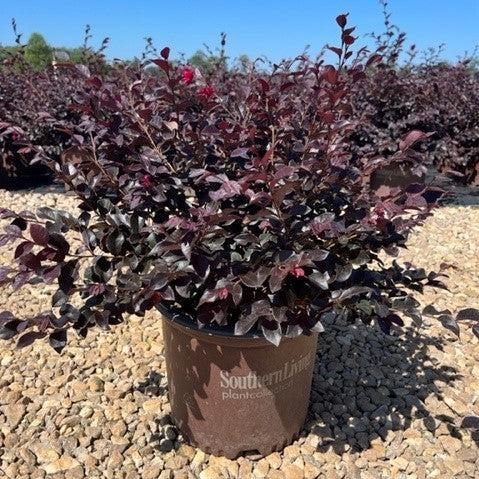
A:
[221,336]
[181,319]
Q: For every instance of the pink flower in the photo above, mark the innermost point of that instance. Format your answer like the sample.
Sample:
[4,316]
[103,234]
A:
[377,215]
[146,181]
[187,75]
[222,293]
[265,225]
[297,271]
[207,91]
[15,136]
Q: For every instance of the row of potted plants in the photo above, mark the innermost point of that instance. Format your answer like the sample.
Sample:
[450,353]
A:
[393,99]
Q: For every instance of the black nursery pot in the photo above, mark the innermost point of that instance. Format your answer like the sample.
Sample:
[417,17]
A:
[394,175]
[24,176]
[235,394]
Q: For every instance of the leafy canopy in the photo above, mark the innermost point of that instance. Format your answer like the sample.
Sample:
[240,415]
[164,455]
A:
[231,198]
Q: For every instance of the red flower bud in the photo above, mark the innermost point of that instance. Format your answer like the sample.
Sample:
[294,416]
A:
[207,91]
[155,297]
[377,215]
[187,75]
[297,271]
[223,293]
[146,181]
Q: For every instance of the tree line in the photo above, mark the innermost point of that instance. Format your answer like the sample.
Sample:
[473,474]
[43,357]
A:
[39,54]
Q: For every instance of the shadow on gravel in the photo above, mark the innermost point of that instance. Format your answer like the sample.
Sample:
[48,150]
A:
[472,423]
[152,385]
[367,384]
[459,193]
[165,436]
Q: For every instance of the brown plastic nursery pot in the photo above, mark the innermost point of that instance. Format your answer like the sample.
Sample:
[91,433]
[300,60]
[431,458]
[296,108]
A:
[394,176]
[24,177]
[230,395]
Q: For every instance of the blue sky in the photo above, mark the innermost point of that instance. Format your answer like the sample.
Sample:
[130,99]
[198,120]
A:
[279,28]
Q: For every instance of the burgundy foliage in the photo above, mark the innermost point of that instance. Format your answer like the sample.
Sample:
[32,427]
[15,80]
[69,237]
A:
[439,99]
[30,104]
[430,96]
[234,200]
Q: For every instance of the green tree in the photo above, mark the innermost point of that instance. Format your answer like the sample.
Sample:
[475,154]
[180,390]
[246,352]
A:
[204,62]
[474,65]
[6,52]
[243,63]
[38,53]
[78,54]
[207,62]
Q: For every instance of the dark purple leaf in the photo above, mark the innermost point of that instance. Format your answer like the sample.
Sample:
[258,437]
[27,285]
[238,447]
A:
[342,19]
[245,323]
[200,264]
[272,335]
[255,279]
[20,222]
[413,137]
[115,242]
[385,325]
[351,292]
[276,279]
[51,273]
[59,243]
[470,422]
[66,279]
[209,296]
[29,338]
[39,234]
[23,248]
[5,317]
[449,323]
[336,50]
[349,39]
[165,53]
[13,231]
[163,64]
[20,280]
[237,293]
[320,279]
[6,213]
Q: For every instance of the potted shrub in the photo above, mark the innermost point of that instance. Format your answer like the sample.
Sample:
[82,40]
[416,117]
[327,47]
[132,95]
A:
[231,204]
[431,96]
[402,169]
[389,128]
[29,103]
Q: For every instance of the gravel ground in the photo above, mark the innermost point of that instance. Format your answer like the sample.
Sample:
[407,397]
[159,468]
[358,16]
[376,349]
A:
[382,407]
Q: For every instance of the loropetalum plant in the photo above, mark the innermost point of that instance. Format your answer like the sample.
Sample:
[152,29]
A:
[233,202]
[438,99]
[454,102]
[30,103]
[433,97]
